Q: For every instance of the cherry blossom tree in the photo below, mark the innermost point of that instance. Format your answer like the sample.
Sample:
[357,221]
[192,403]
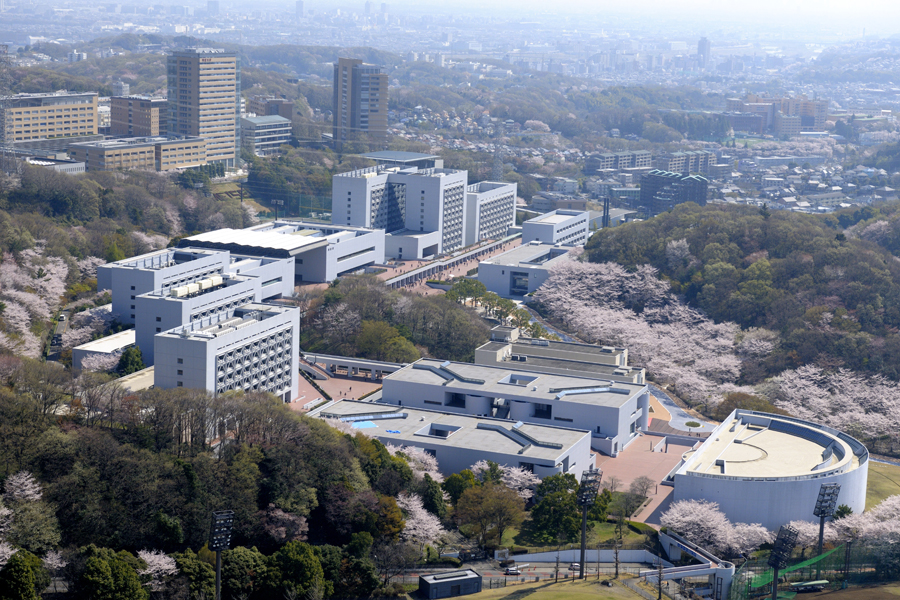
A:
[54,561]
[103,362]
[422,527]
[704,524]
[88,266]
[520,480]
[422,463]
[6,553]
[159,567]
[22,487]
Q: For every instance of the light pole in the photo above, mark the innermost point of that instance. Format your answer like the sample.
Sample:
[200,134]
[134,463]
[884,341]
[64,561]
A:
[781,552]
[825,505]
[587,494]
[220,539]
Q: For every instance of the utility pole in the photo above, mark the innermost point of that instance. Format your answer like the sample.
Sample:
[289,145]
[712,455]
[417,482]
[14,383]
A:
[220,539]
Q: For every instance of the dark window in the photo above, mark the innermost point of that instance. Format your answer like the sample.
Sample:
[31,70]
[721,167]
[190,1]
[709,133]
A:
[158,319]
[158,330]
[180,361]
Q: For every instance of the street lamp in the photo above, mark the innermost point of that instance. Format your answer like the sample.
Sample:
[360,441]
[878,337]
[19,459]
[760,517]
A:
[220,539]
[781,552]
[587,494]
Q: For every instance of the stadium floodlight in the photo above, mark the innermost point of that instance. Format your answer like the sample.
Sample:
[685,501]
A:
[781,553]
[827,501]
[587,494]
[220,539]
[825,505]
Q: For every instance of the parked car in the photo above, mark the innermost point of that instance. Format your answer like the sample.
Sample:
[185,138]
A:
[574,567]
[512,571]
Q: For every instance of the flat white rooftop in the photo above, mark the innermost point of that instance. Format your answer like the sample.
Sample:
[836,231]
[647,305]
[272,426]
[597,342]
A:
[110,343]
[553,218]
[403,426]
[769,447]
[248,241]
[502,382]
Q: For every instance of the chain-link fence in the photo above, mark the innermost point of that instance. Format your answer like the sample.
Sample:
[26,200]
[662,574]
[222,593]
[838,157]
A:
[845,565]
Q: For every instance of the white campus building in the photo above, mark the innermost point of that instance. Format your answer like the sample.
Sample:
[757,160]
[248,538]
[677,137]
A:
[458,441]
[614,412]
[253,347]
[564,227]
[424,211]
[321,252]
[507,347]
[522,270]
[767,469]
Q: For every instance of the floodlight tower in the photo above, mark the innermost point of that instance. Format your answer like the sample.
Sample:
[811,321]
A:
[825,505]
[587,494]
[220,539]
[781,552]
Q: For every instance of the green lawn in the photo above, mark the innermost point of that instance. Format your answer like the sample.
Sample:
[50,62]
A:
[606,531]
[558,591]
[884,481]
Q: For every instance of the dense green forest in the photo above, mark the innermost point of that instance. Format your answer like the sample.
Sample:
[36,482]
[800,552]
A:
[829,284]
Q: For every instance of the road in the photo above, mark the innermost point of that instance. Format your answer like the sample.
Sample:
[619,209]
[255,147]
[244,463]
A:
[679,416]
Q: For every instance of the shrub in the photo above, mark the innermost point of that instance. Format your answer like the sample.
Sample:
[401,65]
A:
[692,424]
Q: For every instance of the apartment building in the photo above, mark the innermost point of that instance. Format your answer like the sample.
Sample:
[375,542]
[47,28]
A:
[690,161]
[360,102]
[564,227]
[253,347]
[490,211]
[404,201]
[34,117]
[264,136]
[158,153]
[138,116]
[812,113]
[204,92]
[637,159]
[663,190]
[787,125]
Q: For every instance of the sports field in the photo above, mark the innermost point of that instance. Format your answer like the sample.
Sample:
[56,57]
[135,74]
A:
[884,481]
[882,592]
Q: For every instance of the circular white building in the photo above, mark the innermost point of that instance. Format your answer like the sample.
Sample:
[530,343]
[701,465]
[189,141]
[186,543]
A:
[767,469]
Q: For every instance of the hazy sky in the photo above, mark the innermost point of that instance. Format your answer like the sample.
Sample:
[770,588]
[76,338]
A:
[877,16]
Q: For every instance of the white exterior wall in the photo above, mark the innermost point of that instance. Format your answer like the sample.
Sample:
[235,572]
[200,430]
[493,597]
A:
[127,279]
[572,231]
[455,459]
[764,500]
[610,427]
[175,312]
[351,200]
[412,246]
[198,356]
[490,211]
[498,278]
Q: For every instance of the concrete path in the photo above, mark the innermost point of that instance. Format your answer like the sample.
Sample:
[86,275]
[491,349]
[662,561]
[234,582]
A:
[679,416]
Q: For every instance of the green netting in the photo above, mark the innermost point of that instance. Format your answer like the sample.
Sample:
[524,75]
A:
[766,577]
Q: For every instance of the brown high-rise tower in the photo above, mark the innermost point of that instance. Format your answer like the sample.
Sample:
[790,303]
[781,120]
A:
[360,102]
